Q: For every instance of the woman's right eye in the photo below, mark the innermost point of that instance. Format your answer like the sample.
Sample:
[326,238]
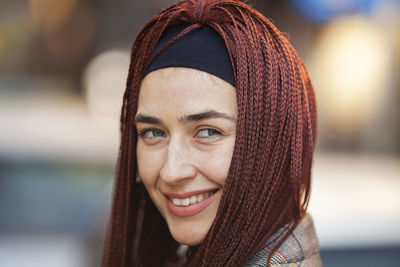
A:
[151,133]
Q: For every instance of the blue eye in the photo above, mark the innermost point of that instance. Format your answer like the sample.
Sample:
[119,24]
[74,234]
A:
[208,132]
[151,133]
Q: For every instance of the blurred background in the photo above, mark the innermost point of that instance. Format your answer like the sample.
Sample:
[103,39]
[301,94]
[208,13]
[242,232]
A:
[63,66]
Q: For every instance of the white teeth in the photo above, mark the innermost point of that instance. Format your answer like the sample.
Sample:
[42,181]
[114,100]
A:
[192,200]
[200,197]
[186,202]
[177,201]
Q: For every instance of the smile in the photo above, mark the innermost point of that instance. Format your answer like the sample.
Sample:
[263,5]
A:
[191,200]
[189,204]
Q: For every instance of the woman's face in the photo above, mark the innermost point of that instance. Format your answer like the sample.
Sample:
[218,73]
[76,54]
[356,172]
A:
[186,124]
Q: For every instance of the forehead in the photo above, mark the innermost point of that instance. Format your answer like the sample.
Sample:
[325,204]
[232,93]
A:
[182,90]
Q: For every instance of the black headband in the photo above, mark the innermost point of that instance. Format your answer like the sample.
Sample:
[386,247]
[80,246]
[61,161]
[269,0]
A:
[201,48]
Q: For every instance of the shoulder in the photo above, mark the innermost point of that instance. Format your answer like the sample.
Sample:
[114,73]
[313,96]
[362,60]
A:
[300,249]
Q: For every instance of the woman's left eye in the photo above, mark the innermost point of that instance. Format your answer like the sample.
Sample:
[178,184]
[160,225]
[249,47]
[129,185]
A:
[208,132]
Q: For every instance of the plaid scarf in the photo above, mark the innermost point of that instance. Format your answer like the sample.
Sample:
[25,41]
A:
[300,249]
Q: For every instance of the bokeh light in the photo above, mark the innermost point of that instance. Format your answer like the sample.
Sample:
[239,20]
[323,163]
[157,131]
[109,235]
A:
[351,70]
[324,10]
[104,82]
[51,15]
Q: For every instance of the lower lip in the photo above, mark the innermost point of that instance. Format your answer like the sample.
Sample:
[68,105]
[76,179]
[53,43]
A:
[193,209]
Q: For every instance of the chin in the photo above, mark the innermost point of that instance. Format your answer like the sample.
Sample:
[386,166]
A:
[188,240]
[187,234]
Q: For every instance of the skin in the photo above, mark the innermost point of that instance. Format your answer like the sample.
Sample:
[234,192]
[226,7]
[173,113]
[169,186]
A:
[180,153]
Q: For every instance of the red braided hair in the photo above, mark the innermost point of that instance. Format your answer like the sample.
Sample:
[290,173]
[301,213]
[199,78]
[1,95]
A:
[268,184]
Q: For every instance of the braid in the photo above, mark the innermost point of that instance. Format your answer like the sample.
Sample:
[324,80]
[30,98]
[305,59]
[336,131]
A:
[268,183]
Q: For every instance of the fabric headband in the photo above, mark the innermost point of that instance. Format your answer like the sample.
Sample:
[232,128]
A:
[201,48]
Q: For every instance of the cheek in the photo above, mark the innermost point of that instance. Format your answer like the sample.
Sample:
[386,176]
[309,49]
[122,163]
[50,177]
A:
[218,172]
[216,164]
[147,163]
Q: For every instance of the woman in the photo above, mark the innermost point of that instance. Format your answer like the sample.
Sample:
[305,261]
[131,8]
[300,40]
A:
[218,128]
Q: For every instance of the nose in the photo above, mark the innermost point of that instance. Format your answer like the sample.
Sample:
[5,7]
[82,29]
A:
[177,167]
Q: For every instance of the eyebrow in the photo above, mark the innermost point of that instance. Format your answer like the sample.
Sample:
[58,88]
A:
[209,114]
[147,119]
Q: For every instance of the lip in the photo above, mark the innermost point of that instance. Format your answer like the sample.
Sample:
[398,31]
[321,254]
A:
[193,209]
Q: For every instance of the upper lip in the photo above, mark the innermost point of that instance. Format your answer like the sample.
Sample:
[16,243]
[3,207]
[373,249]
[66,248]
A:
[188,194]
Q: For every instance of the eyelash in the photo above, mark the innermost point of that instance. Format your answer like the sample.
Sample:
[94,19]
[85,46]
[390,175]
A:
[217,132]
[143,132]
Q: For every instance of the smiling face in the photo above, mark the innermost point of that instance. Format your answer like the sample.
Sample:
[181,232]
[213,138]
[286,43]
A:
[186,124]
